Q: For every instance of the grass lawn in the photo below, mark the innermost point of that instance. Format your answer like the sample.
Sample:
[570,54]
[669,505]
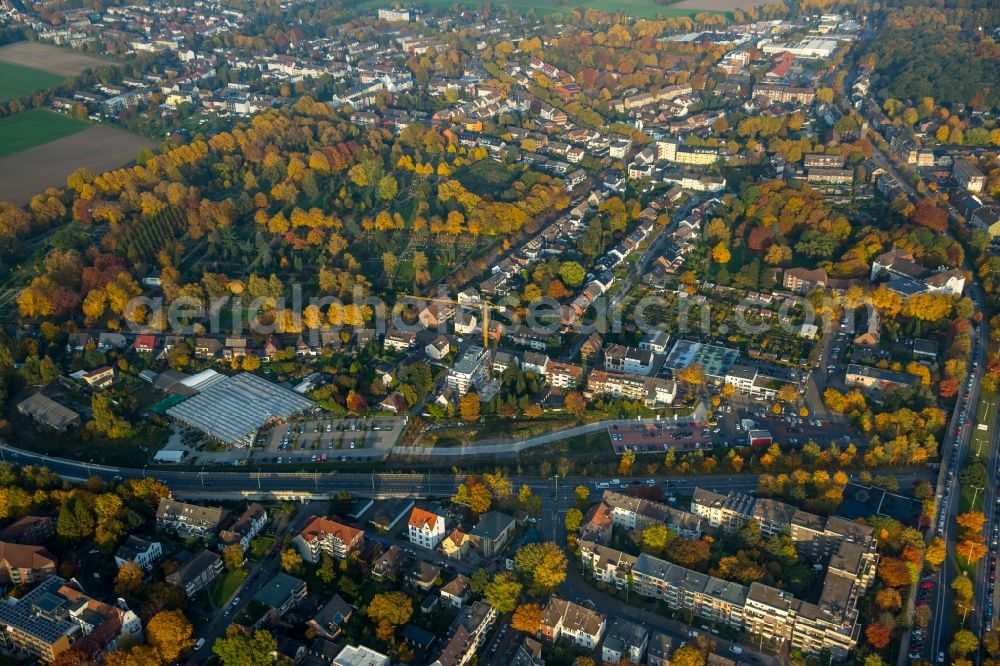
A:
[224,587]
[34,128]
[259,547]
[19,81]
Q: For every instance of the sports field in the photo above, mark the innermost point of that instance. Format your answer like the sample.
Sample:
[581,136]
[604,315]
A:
[21,81]
[35,127]
[638,8]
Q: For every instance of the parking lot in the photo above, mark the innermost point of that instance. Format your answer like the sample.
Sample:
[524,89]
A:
[329,439]
[660,436]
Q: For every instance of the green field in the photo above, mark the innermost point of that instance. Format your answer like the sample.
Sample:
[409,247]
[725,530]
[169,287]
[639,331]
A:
[19,81]
[35,127]
[224,587]
[637,8]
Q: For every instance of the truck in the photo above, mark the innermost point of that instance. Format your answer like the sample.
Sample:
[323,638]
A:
[616,482]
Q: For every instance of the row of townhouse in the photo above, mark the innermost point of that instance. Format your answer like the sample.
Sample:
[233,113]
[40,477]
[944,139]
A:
[652,391]
[637,513]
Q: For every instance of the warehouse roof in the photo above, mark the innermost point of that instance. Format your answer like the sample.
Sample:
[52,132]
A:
[234,408]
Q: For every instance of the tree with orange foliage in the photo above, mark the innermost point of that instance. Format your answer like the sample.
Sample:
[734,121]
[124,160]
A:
[878,635]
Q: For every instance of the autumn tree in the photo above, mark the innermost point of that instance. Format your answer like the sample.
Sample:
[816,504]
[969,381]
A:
[688,655]
[527,618]
[129,579]
[291,561]
[878,635]
[574,518]
[468,407]
[232,557]
[542,565]
[170,633]
[721,254]
[396,608]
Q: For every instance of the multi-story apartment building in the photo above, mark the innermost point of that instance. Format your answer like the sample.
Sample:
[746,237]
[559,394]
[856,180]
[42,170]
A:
[189,520]
[467,635]
[727,512]
[624,642]
[246,527]
[968,176]
[324,536]
[634,512]
[784,94]
[469,370]
[847,549]
[651,390]
[52,617]
[578,624]
[24,563]
[566,376]
[426,528]
[672,150]
[196,574]
[629,360]
[135,549]
[606,564]
[705,596]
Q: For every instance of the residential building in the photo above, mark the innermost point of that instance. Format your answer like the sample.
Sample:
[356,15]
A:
[672,150]
[456,544]
[142,552]
[591,346]
[534,362]
[99,378]
[423,576]
[968,176]
[636,513]
[803,280]
[21,564]
[360,655]
[30,529]
[469,371]
[465,323]
[396,340]
[877,379]
[784,94]
[656,342]
[726,512]
[389,565]
[279,595]
[324,536]
[706,597]
[492,533]
[659,649]
[189,520]
[628,360]
[327,622]
[455,593]
[565,376]
[577,624]
[56,615]
[624,641]
[246,528]
[605,564]
[196,574]
[653,391]
[467,634]
[426,528]
[437,348]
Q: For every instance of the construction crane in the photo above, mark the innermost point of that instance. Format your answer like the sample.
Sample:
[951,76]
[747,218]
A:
[483,305]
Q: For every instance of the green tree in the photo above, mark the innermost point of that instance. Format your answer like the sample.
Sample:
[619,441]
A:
[240,648]
[503,591]
[572,273]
